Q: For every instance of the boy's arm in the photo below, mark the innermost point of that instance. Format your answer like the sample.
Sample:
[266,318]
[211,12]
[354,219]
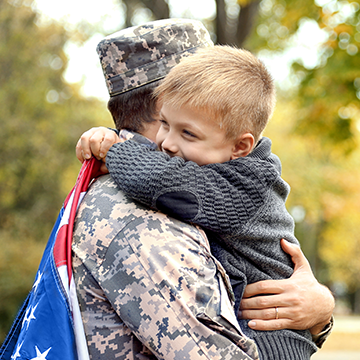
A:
[183,189]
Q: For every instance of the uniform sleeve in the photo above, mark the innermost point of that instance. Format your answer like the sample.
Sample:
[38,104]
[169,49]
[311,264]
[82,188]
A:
[218,197]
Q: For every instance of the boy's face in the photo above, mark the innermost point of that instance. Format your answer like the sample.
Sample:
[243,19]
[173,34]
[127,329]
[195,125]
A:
[190,134]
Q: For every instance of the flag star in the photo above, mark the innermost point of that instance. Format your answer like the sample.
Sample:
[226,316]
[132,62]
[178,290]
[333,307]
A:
[27,317]
[17,352]
[39,355]
[37,282]
[32,312]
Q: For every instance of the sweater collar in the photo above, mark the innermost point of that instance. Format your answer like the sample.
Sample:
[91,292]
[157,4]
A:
[262,149]
[130,135]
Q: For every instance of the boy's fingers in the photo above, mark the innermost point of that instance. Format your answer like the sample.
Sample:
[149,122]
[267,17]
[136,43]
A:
[83,145]
[104,169]
[110,138]
[94,143]
[78,151]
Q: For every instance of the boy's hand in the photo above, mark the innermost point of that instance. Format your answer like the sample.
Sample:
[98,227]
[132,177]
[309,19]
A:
[301,302]
[97,141]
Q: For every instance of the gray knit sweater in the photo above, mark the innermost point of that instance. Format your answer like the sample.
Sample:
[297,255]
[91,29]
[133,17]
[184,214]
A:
[240,204]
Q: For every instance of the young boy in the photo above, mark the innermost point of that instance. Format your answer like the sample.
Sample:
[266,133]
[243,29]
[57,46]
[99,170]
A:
[215,170]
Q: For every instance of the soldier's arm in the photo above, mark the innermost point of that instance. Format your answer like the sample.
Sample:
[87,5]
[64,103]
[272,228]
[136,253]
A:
[302,302]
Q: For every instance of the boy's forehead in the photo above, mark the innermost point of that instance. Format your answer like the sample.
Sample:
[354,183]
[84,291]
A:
[189,114]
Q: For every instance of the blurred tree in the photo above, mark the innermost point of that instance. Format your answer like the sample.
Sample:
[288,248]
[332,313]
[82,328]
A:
[41,119]
[329,86]
[321,156]
[231,25]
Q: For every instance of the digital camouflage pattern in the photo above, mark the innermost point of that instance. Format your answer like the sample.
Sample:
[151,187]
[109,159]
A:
[144,278]
[142,54]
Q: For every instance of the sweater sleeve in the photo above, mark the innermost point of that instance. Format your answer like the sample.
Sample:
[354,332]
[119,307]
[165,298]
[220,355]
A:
[218,197]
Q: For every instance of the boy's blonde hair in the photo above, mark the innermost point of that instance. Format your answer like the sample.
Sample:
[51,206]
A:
[231,85]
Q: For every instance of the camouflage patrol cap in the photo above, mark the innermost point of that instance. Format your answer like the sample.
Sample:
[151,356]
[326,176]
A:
[142,54]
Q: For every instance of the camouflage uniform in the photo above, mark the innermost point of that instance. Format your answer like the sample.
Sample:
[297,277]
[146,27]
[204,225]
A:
[147,281]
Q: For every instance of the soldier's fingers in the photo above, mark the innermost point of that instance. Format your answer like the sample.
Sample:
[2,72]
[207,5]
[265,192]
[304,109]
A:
[264,287]
[268,325]
[273,313]
[266,302]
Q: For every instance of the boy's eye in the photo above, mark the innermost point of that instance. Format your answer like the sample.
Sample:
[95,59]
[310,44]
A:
[188,133]
[163,122]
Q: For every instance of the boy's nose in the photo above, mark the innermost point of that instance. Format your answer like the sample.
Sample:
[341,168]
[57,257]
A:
[169,146]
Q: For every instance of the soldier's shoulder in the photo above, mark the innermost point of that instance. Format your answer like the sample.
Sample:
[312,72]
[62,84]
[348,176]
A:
[106,212]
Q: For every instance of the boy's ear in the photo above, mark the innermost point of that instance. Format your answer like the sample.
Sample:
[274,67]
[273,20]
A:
[243,146]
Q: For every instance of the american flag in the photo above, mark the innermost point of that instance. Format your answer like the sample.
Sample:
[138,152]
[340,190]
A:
[49,325]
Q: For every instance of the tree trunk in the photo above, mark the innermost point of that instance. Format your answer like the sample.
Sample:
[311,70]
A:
[246,21]
[235,33]
[159,8]
[221,23]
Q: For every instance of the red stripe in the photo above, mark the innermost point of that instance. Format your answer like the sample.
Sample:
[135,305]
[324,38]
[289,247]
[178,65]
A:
[62,247]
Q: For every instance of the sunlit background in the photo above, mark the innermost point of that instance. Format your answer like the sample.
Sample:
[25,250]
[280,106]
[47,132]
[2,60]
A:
[52,89]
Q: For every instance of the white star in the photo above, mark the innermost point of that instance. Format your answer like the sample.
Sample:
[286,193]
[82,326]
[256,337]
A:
[39,355]
[30,317]
[32,312]
[17,352]
[37,282]
[26,316]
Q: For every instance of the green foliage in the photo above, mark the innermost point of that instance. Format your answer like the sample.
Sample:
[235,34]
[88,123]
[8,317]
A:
[329,93]
[41,119]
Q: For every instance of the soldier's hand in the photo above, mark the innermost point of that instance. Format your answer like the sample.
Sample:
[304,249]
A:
[301,302]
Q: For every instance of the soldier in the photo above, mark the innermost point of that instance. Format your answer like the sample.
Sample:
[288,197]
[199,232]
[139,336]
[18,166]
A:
[148,284]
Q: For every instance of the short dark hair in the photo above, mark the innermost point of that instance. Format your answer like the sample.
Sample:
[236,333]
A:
[133,109]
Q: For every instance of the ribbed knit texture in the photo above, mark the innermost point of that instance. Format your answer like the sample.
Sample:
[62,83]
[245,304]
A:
[281,345]
[240,204]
